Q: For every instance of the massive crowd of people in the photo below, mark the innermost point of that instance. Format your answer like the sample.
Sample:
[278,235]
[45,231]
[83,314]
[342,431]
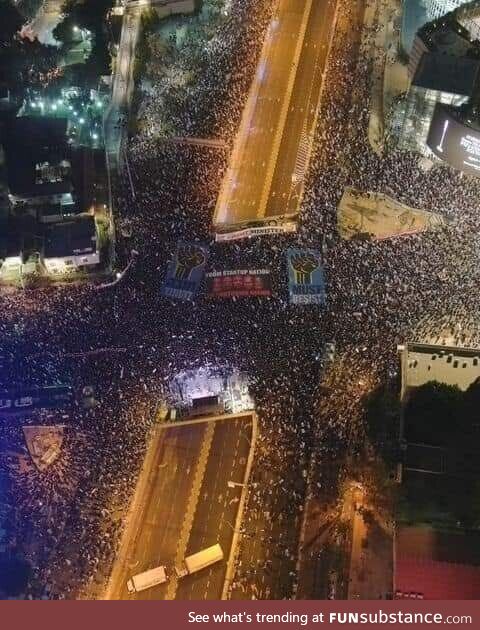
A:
[128,341]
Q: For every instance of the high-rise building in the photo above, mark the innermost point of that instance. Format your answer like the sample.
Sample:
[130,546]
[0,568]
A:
[439,116]
[416,13]
[437,8]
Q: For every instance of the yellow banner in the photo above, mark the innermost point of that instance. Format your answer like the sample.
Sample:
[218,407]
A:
[378,216]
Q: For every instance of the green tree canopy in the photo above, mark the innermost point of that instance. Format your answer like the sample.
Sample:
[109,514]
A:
[432,413]
[11,22]
[471,406]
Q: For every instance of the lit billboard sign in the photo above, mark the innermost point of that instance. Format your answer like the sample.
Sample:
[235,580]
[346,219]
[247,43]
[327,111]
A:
[454,142]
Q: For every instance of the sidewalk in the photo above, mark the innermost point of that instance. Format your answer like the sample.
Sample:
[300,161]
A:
[389,75]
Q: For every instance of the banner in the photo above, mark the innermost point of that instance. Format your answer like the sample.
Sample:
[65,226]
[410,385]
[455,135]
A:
[378,216]
[44,444]
[28,398]
[185,272]
[305,276]
[239,283]
[283,228]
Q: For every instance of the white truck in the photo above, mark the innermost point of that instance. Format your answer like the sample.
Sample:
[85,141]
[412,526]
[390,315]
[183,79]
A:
[147,579]
[200,560]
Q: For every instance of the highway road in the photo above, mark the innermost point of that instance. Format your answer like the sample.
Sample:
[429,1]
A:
[272,148]
[122,88]
[286,190]
[186,506]
[217,506]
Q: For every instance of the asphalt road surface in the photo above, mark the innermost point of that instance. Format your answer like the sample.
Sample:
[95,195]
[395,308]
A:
[286,189]
[272,149]
[123,84]
[188,506]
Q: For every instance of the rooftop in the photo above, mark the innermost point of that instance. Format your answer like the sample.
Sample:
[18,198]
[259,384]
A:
[422,363]
[448,36]
[37,156]
[447,73]
[71,238]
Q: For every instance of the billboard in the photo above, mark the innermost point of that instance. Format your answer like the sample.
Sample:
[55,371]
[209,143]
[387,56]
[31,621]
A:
[239,283]
[185,272]
[306,282]
[453,141]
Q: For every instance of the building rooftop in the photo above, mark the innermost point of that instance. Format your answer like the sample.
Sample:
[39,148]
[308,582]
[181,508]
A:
[446,35]
[447,73]
[71,238]
[422,363]
[37,156]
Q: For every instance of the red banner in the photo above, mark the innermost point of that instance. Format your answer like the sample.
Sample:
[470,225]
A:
[239,283]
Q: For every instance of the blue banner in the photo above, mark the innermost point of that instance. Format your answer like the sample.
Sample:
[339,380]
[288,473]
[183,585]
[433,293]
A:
[306,282]
[185,272]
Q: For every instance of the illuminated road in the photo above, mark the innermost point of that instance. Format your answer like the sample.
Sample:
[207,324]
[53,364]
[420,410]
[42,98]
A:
[186,506]
[123,84]
[272,148]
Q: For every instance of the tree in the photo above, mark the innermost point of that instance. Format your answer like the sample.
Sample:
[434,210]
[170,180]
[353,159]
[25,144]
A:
[87,15]
[29,8]
[474,511]
[471,405]
[11,22]
[63,32]
[382,413]
[432,412]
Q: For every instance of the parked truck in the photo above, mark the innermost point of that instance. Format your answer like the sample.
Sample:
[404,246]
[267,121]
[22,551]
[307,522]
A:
[147,579]
[200,560]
